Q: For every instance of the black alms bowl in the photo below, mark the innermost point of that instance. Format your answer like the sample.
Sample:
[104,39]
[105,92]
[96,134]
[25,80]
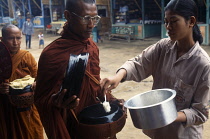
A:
[95,114]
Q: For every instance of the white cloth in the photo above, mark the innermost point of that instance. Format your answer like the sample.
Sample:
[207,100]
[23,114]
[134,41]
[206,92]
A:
[41,36]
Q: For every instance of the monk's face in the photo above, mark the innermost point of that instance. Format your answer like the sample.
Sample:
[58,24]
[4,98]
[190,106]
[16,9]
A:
[12,40]
[76,23]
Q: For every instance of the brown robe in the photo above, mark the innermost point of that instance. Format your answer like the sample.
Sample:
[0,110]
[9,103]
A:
[25,124]
[59,123]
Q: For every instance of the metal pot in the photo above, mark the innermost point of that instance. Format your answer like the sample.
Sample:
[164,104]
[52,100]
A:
[152,109]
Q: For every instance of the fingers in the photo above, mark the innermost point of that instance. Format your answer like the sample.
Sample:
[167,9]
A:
[107,84]
[33,86]
[69,103]
[103,84]
[61,95]
[110,87]
[4,88]
[72,102]
[57,98]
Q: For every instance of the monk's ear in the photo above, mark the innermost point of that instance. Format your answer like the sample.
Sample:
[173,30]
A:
[67,15]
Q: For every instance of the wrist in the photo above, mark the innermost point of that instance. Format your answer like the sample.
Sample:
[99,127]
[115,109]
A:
[181,117]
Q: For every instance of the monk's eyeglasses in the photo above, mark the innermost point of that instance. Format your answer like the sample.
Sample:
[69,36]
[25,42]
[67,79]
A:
[86,19]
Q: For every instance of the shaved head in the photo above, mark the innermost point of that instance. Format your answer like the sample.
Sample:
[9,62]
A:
[73,5]
[74,13]
[11,36]
[4,31]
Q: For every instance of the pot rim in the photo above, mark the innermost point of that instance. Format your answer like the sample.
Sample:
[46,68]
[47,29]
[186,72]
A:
[156,104]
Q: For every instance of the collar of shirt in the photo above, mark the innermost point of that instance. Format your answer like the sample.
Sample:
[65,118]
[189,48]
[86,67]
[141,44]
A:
[188,54]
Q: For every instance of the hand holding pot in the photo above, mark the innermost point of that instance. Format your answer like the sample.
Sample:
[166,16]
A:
[181,117]
[120,103]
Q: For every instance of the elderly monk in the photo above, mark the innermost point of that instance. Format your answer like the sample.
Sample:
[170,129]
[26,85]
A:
[55,113]
[15,122]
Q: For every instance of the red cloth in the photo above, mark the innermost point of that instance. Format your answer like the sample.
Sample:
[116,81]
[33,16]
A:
[59,123]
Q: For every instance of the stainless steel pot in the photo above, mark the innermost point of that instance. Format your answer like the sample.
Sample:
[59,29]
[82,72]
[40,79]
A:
[152,109]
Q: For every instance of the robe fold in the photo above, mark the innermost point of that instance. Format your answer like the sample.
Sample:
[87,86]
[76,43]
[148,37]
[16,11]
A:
[25,63]
[15,124]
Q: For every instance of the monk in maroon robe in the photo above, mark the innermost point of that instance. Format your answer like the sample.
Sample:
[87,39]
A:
[15,122]
[56,115]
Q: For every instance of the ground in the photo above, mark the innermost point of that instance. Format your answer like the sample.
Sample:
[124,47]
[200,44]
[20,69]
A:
[112,55]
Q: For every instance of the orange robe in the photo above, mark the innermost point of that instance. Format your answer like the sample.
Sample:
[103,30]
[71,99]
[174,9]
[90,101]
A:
[59,123]
[25,124]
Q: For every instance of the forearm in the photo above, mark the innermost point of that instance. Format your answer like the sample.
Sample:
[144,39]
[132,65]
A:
[137,68]
[121,74]
[181,117]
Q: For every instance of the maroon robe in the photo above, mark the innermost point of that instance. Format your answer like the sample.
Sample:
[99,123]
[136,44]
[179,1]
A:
[59,123]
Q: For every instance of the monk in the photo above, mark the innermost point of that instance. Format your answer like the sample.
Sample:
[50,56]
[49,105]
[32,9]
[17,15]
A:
[56,114]
[18,123]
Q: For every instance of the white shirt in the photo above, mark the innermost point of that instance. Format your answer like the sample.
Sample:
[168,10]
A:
[41,36]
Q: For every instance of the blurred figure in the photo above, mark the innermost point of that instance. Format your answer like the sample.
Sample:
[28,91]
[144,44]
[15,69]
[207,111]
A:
[28,31]
[99,27]
[41,40]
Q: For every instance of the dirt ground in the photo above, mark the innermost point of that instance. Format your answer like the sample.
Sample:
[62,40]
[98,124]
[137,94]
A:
[112,55]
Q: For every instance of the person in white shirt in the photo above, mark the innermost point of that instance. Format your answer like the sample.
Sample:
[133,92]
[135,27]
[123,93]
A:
[41,40]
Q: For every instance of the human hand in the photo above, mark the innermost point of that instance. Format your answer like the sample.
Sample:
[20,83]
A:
[107,84]
[70,103]
[4,88]
[33,86]
[120,103]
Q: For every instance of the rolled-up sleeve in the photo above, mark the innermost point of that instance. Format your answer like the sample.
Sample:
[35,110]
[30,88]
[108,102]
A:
[142,66]
[198,113]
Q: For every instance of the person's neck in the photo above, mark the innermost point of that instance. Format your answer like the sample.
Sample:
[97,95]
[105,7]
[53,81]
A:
[14,53]
[183,46]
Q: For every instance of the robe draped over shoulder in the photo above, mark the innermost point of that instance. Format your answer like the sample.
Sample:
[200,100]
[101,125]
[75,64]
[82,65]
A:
[59,123]
[15,124]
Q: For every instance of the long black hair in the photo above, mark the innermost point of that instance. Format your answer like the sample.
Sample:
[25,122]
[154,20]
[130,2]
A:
[186,9]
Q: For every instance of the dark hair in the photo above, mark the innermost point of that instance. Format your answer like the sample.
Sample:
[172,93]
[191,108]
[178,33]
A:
[186,9]
[72,5]
[5,27]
